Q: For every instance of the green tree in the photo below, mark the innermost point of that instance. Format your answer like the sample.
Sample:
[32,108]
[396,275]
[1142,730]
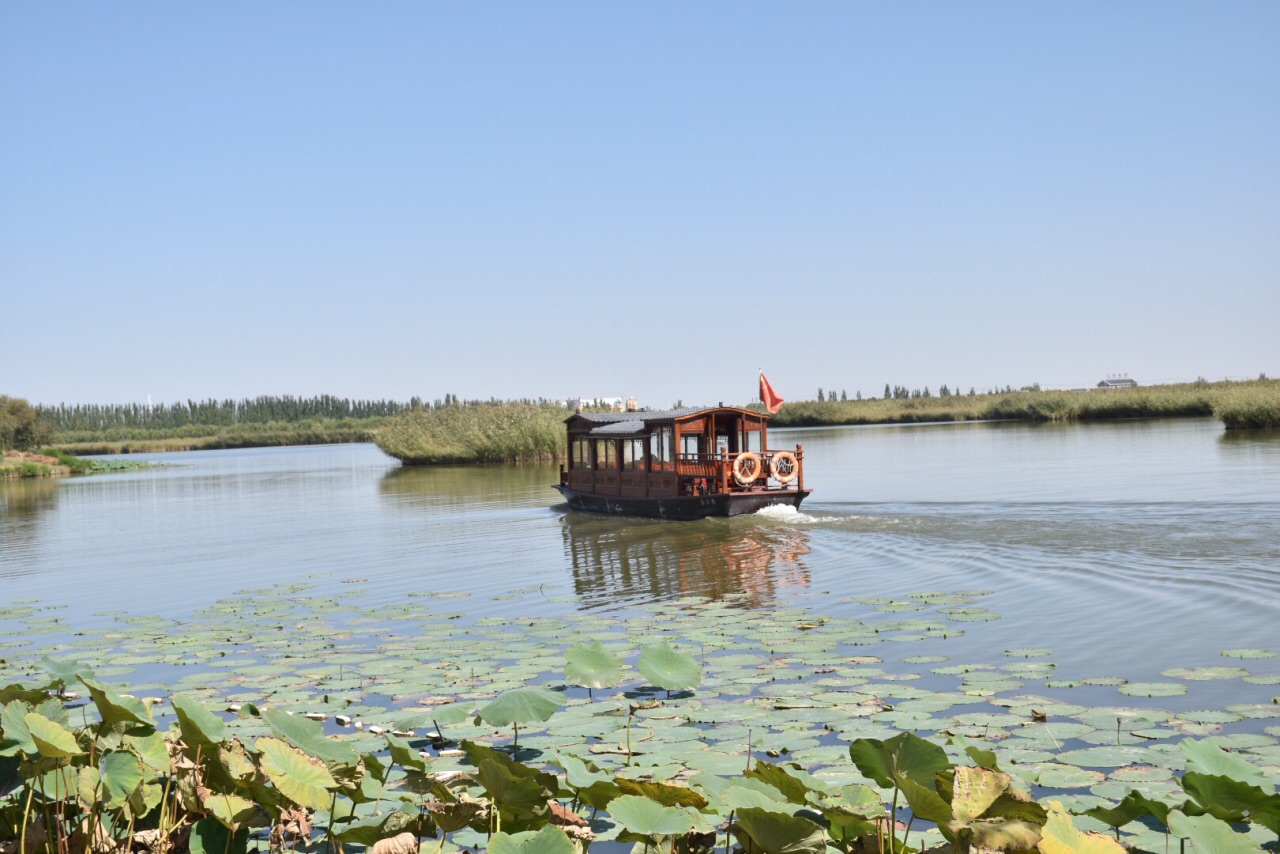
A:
[887,394]
[18,428]
[821,396]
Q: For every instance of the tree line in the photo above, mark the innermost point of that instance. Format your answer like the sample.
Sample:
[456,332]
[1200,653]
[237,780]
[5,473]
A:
[264,409]
[900,392]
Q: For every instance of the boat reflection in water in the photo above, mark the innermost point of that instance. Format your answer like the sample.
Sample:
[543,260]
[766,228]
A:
[627,561]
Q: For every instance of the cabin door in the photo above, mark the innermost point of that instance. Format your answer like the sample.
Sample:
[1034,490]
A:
[727,437]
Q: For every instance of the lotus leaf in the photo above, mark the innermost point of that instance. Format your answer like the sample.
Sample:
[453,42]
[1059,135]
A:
[51,739]
[1207,758]
[1205,673]
[198,724]
[904,755]
[1248,653]
[115,708]
[15,737]
[548,840]
[668,668]
[521,705]
[1060,836]
[1210,834]
[210,836]
[309,737]
[232,810]
[777,833]
[1153,689]
[120,773]
[592,665]
[649,818]
[299,777]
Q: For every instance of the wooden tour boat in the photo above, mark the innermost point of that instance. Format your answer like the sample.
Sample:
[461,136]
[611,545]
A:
[678,464]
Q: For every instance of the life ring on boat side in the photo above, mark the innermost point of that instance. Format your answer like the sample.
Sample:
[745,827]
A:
[746,468]
[784,467]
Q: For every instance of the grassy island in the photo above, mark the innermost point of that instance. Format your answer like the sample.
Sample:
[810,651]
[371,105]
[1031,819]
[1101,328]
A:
[492,431]
[477,433]
[1239,404]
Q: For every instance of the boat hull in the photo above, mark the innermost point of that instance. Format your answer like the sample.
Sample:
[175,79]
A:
[684,508]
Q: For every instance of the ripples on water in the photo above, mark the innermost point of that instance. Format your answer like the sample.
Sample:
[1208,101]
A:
[1125,548]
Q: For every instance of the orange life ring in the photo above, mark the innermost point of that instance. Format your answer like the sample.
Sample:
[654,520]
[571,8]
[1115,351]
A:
[783,467]
[746,468]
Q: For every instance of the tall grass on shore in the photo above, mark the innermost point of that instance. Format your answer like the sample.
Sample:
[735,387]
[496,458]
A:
[1255,401]
[1257,408]
[477,433]
[200,437]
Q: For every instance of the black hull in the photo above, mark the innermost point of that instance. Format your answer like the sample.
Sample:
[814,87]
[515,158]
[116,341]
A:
[683,508]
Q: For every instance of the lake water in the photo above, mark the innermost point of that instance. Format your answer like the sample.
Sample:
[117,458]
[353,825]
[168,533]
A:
[1126,548]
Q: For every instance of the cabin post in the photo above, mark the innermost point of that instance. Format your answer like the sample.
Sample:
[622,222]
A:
[800,465]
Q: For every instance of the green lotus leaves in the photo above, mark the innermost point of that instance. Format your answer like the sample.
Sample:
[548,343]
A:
[592,665]
[309,737]
[669,669]
[663,793]
[1210,834]
[52,740]
[1247,653]
[521,706]
[117,708]
[211,836]
[15,736]
[904,755]
[1060,836]
[648,818]
[777,833]
[120,773]
[198,724]
[1201,674]
[1153,689]
[548,840]
[1207,758]
[299,777]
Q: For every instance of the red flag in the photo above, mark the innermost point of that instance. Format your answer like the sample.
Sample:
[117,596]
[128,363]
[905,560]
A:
[771,399]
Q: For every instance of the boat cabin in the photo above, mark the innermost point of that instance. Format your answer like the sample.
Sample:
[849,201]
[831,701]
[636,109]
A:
[676,453]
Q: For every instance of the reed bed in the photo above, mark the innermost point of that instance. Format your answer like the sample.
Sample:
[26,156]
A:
[1252,410]
[1255,403]
[483,433]
[199,437]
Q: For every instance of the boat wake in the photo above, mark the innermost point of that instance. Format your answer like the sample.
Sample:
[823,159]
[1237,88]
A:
[791,516]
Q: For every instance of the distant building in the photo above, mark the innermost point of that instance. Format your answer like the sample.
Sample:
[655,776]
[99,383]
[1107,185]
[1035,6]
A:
[613,404]
[1118,381]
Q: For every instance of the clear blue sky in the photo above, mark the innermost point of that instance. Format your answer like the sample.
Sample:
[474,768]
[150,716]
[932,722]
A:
[650,199]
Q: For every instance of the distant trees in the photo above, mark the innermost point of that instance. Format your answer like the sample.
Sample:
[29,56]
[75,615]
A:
[19,429]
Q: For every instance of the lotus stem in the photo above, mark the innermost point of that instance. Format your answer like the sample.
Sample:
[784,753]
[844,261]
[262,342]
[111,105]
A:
[26,813]
[328,831]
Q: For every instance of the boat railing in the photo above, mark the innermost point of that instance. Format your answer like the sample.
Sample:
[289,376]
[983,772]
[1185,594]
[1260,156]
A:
[769,469]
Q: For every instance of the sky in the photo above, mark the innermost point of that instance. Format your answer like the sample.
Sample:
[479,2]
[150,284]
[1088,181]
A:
[658,200]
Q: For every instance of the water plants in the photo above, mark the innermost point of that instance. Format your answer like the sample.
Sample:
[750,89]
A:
[782,732]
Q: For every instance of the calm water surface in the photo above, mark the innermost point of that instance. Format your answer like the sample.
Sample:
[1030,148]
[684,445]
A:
[1127,548]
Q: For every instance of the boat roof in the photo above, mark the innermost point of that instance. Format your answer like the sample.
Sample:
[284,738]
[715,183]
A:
[635,423]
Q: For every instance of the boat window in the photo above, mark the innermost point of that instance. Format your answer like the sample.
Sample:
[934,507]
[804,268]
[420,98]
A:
[606,454]
[753,441]
[691,444]
[662,449]
[580,454]
[633,454]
